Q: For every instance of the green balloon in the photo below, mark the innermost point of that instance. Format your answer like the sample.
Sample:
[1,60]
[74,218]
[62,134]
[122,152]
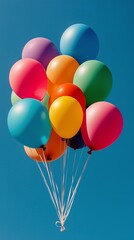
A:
[94,79]
[14,98]
[45,100]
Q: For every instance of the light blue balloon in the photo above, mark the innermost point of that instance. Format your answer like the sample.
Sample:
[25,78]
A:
[28,122]
[81,42]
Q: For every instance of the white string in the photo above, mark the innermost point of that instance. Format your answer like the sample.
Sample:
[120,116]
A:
[61,196]
[77,167]
[63,175]
[69,206]
[53,191]
[72,193]
[45,181]
[74,174]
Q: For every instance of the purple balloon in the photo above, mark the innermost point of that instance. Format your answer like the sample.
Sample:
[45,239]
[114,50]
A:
[40,49]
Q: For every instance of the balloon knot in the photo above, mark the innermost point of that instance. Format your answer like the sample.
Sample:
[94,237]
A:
[49,158]
[60,224]
[43,147]
[63,139]
[90,151]
[62,229]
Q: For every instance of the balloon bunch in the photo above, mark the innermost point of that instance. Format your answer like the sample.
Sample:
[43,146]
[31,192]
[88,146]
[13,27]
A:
[58,101]
[59,96]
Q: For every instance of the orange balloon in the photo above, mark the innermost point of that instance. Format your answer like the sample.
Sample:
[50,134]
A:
[61,69]
[34,153]
[54,149]
[67,89]
[50,87]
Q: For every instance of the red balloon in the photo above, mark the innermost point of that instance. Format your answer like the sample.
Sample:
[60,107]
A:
[28,79]
[102,125]
[68,89]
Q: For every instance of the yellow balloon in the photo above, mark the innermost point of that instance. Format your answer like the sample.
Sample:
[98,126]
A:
[66,116]
[61,69]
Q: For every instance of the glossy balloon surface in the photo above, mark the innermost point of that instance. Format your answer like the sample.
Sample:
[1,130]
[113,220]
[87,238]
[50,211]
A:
[80,41]
[28,79]
[102,125]
[28,122]
[94,79]
[66,116]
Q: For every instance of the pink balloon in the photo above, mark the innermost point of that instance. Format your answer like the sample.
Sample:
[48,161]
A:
[102,125]
[28,79]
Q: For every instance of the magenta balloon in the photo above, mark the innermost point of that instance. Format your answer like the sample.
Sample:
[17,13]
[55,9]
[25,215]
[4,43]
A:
[28,79]
[102,125]
[40,49]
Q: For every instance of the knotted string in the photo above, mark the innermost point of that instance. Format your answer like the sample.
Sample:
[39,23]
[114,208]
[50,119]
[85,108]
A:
[60,224]
[63,203]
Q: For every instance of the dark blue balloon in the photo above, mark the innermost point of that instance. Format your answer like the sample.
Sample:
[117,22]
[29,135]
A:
[28,122]
[81,42]
[76,142]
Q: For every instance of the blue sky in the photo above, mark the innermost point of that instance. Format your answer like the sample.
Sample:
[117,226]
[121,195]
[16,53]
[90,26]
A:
[104,206]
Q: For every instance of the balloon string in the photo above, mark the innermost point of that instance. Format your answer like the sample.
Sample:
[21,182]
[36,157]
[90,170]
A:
[65,210]
[63,184]
[72,193]
[74,174]
[52,192]
[71,186]
[56,190]
[53,185]
[45,181]
[78,164]
[43,176]
[63,175]
[69,206]
[63,199]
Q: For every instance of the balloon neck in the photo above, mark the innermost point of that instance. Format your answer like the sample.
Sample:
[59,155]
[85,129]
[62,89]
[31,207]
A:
[43,147]
[90,151]
[49,158]
[63,139]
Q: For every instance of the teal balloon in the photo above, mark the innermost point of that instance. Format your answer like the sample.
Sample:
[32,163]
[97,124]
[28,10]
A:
[28,122]
[94,79]
[14,98]
[45,100]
